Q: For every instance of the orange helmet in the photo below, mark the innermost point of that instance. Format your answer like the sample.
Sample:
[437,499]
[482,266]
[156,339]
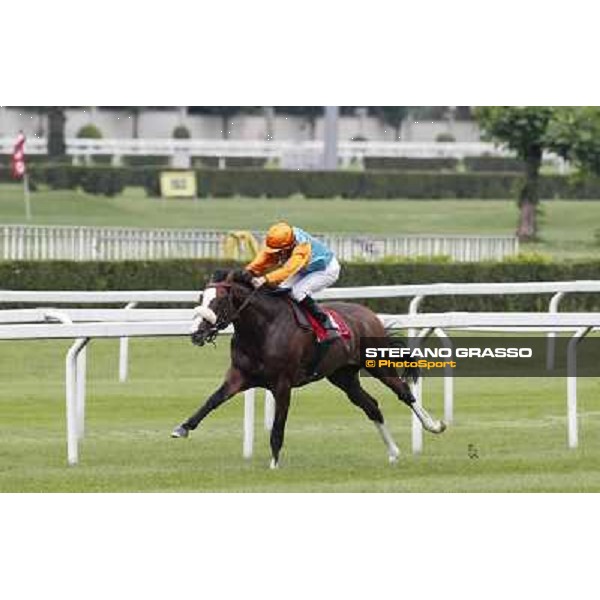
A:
[279,237]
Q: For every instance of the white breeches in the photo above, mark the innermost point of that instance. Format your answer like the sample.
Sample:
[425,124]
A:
[306,285]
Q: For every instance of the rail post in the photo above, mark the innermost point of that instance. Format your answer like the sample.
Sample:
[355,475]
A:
[448,378]
[248,443]
[124,351]
[269,410]
[572,433]
[75,412]
[417,388]
[551,336]
[417,430]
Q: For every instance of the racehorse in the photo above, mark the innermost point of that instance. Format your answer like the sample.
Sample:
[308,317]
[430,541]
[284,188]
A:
[270,350]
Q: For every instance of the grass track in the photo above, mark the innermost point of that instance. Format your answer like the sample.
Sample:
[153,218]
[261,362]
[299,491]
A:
[519,431]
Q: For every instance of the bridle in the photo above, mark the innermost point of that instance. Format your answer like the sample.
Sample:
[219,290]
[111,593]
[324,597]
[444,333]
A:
[231,313]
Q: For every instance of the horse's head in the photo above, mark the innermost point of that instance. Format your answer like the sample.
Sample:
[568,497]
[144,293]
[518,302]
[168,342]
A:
[219,304]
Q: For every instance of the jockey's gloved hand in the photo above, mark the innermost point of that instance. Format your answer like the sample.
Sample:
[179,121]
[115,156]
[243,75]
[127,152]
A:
[258,281]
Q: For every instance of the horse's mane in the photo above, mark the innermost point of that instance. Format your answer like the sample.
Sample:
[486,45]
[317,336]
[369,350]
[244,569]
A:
[244,278]
[232,276]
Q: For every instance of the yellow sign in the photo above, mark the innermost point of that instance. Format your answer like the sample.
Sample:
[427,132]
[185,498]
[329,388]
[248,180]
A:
[240,245]
[178,184]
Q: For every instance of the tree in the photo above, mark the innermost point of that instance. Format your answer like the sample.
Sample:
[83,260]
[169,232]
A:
[269,114]
[56,120]
[523,129]
[134,112]
[574,134]
[135,120]
[393,116]
[225,112]
[57,148]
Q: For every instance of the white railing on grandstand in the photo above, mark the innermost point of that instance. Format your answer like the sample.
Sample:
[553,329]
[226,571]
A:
[26,242]
[258,148]
[284,151]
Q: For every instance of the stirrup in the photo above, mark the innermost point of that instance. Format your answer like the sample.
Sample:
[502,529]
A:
[330,324]
[332,334]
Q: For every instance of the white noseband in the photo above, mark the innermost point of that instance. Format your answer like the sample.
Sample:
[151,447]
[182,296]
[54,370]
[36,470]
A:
[203,312]
[206,313]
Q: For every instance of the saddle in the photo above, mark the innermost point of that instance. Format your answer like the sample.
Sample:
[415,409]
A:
[305,320]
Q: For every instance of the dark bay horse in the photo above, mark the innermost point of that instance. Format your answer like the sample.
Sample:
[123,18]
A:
[269,350]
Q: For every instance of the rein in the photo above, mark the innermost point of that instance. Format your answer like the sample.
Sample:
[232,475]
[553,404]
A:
[244,304]
[237,313]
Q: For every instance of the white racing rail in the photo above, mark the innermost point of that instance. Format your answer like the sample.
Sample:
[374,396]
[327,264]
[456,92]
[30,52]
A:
[417,293]
[83,332]
[438,323]
[70,242]
[85,324]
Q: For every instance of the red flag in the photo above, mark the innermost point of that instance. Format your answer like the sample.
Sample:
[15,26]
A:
[18,157]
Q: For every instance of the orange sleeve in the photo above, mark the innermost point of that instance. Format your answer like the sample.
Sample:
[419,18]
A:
[299,258]
[261,262]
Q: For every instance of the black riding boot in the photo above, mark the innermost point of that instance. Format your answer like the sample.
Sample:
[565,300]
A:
[332,334]
[318,313]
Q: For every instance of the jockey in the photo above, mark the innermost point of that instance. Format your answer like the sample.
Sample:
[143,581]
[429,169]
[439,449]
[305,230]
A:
[304,265]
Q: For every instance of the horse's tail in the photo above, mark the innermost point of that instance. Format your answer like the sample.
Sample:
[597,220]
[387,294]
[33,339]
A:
[398,340]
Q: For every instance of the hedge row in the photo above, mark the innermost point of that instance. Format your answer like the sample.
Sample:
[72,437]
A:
[493,164]
[490,164]
[192,274]
[402,163]
[381,184]
[253,183]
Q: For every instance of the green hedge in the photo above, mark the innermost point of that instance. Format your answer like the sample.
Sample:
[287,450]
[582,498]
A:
[494,164]
[105,180]
[192,274]
[245,162]
[205,162]
[402,163]
[383,184]
[275,183]
[471,164]
[146,161]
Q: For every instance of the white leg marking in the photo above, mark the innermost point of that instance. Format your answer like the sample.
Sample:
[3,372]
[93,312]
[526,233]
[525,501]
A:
[386,436]
[273,464]
[428,423]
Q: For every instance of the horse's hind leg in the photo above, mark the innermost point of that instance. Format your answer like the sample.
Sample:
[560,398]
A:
[389,377]
[347,380]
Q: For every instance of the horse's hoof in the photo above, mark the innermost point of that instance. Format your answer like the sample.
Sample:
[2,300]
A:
[393,458]
[435,427]
[180,432]
[273,464]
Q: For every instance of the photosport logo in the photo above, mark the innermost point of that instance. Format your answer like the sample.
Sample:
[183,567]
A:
[484,356]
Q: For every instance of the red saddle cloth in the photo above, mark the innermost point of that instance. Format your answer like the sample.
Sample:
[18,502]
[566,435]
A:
[321,332]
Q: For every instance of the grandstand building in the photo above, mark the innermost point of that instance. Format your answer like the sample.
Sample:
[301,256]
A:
[296,124]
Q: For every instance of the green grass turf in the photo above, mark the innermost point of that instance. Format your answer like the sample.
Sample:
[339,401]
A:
[567,229]
[517,426]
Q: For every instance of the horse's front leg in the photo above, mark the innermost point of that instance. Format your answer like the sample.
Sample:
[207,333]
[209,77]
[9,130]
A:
[235,382]
[282,394]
